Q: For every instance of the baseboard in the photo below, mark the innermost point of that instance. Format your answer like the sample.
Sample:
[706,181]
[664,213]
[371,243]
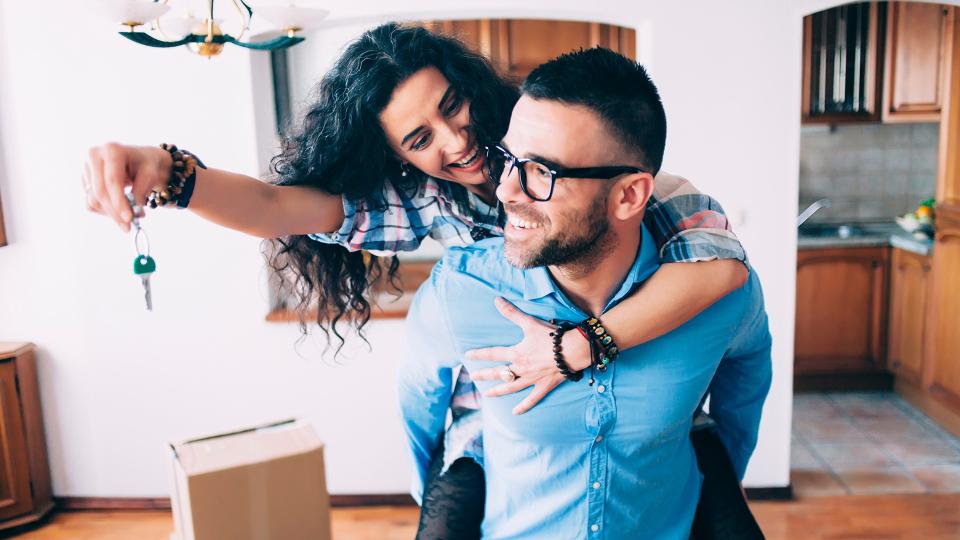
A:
[770,493]
[77,504]
[848,382]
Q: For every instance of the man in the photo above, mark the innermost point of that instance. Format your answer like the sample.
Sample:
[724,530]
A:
[612,459]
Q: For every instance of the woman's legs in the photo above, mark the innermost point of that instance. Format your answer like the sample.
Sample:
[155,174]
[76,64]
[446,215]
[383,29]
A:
[722,511]
[453,501]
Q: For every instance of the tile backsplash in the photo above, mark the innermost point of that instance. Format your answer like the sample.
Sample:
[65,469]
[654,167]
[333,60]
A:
[870,172]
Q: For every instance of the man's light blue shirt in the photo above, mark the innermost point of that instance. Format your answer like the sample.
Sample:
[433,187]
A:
[612,460]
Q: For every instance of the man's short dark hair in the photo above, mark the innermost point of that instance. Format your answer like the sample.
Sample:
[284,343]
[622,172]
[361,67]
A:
[616,88]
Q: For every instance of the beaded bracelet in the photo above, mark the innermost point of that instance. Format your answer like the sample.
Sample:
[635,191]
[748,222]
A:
[557,335]
[183,178]
[607,348]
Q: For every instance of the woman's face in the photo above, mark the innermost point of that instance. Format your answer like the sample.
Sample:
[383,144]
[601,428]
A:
[427,123]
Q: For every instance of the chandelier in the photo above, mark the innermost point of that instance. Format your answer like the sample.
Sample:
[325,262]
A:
[147,23]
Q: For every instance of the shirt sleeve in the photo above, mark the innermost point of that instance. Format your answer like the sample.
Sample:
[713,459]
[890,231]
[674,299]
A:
[384,227]
[742,382]
[689,226]
[425,377]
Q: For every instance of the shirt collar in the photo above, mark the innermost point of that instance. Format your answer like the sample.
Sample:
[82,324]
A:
[538,283]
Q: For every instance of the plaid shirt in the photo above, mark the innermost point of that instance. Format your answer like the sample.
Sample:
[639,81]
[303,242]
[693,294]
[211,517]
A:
[688,226]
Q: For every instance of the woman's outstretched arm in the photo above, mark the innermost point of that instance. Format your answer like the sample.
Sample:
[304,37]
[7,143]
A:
[232,200]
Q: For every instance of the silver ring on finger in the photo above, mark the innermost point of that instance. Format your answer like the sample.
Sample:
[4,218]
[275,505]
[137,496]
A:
[507,375]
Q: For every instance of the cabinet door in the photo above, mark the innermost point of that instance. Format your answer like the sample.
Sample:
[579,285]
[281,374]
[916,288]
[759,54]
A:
[15,496]
[841,61]
[945,312]
[916,37]
[841,307]
[909,285]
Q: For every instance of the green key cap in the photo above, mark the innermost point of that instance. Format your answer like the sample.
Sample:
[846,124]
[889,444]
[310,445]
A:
[144,264]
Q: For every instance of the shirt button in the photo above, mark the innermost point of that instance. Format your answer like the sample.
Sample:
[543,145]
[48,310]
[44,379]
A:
[594,527]
[601,389]
[599,438]
[596,485]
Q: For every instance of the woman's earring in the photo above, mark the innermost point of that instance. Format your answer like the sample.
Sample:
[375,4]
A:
[404,169]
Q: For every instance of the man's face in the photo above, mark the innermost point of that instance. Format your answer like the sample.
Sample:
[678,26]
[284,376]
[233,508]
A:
[574,223]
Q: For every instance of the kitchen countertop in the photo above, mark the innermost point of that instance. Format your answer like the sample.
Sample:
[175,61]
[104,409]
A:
[864,235]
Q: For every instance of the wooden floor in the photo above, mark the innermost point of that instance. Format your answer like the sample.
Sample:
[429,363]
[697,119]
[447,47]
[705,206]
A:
[886,517]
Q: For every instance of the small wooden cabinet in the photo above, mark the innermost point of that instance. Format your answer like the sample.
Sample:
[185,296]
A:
[25,491]
[3,232]
[909,294]
[917,37]
[841,311]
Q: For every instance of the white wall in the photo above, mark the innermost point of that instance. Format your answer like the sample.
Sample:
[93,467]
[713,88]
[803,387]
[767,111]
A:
[118,383]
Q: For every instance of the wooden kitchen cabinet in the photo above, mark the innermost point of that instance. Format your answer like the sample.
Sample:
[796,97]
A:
[3,233]
[916,40]
[841,314]
[909,294]
[25,491]
[516,46]
[842,64]
[944,373]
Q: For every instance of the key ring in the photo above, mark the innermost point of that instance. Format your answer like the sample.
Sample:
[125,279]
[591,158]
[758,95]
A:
[137,211]
[136,241]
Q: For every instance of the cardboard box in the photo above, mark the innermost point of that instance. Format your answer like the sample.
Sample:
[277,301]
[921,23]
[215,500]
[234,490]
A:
[262,483]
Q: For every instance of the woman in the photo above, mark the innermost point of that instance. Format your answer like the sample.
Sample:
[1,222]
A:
[385,159]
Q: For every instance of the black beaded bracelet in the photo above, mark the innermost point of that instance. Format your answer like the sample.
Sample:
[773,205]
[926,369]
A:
[557,335]
[607,348]
[183,178]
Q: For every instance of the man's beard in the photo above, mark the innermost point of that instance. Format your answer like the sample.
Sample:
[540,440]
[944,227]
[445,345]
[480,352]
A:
[583,240]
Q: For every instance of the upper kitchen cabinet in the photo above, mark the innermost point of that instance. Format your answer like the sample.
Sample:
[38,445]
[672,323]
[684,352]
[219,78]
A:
[516,46]
[842,60]
[875,61]
[916,41]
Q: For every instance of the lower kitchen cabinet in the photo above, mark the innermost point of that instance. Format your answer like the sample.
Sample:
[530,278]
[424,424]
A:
[909,300]
[945,312]
[841,313]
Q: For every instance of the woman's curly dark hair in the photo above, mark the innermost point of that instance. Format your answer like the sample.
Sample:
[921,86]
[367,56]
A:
[341,148]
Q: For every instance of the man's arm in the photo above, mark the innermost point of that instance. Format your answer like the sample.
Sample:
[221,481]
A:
[742,382]
[425,378]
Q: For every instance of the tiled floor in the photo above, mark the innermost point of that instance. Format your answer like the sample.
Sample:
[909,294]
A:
[869,443]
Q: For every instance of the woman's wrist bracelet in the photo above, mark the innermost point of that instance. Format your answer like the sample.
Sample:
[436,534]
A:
[183,178]
[557,335]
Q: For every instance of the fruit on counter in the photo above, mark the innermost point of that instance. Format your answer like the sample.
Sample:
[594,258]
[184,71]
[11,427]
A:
[920,221]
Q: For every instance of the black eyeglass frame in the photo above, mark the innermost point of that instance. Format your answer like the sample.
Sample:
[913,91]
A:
[589,173]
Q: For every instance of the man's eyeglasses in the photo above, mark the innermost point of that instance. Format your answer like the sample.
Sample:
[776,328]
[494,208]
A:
[537,179]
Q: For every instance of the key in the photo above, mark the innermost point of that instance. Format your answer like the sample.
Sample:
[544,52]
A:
[143,266]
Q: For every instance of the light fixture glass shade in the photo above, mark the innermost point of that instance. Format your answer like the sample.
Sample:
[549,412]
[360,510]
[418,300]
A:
[287,17]
[131,11]
[178,25]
